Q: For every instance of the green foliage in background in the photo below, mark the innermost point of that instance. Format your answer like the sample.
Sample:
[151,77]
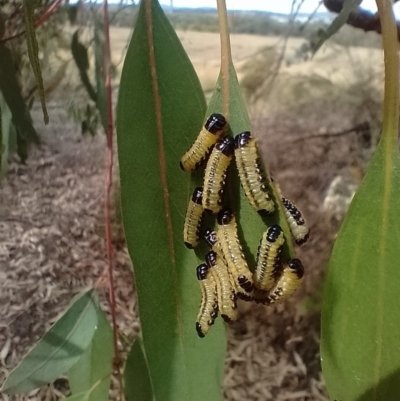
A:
[59,349]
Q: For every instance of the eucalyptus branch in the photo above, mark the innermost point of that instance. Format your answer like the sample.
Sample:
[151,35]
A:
[226,55]
[360,17]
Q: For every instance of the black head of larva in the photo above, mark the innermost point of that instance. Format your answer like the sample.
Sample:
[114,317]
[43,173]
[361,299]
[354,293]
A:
[215,123]
[242,139]
[202,271]
[224,217]
[225,146]
[297,267]
[197,196]
[199,330]
[188,245]
[211,259]
[210,237]
[274,232]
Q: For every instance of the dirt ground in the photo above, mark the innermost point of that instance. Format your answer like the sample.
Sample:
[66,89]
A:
[52,246]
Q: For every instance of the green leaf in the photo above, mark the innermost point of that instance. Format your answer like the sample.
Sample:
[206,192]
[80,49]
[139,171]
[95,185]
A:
[360,315]
[136,375]
[100,62]
[360,343]
[348,7]
[81,58]
[5,130]
[95,364]
[156,123]
[33,52]
[12,94]
[85,396]
[251,225]
[58,350]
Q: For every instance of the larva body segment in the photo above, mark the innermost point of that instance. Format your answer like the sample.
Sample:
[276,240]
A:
[194,214]
[211,239]
[209,303]
[215,174]
[298,226]
[226,293]
[268,266]
[296,222]
[207,138]
[288,283]
[232,252]
[251,174]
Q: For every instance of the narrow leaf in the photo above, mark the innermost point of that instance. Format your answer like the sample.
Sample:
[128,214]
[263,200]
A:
[100,62]
[251,225]
[85,396]
[81,58]
[58,350]
[360,346]
[5,130]
[360,343]
[12,94]
[136,375]
[348,7]
[33,52]
[95,364]
[161,109]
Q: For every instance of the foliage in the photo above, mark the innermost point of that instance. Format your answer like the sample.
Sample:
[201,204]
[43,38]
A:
[360,355]
[21,69]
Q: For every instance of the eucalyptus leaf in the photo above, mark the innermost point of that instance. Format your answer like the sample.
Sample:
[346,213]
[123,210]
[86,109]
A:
[95,364]
[161,109]
[136,375]
[33,52]
[360,341]
[100,63]
[348,7]
[58,350]
[10,89]
[5,130]
[251,225]
[81,58]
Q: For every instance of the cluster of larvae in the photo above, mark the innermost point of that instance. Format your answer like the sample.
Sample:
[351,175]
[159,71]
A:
[225,276]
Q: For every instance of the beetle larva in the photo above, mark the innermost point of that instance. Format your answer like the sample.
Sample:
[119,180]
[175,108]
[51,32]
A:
[268,266]
[208,136]
[226,293]
[232,251]
[251,174]
[214,176]
[209,303]
[194,213]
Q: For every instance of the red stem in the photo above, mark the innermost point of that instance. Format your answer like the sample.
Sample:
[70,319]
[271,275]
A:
[43,18]
[108,185]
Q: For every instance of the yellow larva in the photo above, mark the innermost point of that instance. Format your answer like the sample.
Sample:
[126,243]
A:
[288,283]
[251,174]
[226,293]
[297,224]
[294,217]
[212,240]
[232,251]
[215,174]
[268,266]
[209,302]
[194,213]
[208,136]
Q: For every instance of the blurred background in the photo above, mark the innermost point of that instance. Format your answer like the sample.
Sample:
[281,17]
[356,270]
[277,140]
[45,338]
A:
[317,119]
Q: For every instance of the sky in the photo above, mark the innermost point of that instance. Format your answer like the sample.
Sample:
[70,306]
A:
[279,6]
